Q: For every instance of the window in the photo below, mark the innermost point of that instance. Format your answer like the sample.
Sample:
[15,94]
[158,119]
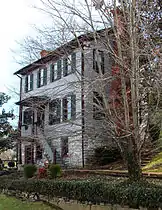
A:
[28,117]
[54,112]
[98,60]
[53,72]
[69,107]
[69,64]
[42,77]
[29,83]
[64,146]
[97,106]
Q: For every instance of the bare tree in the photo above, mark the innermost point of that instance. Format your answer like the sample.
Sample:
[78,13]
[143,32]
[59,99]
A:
[129,34]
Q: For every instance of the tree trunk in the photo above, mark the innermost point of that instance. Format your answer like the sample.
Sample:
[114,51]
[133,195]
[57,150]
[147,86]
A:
[134,166]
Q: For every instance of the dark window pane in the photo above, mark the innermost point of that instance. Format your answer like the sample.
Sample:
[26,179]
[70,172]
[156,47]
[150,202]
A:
[73,62]
[98,60]
[98,112]
[54,112]
[28,116]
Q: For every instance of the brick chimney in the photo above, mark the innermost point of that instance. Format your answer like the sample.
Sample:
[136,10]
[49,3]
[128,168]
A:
[43,53]
[119,21]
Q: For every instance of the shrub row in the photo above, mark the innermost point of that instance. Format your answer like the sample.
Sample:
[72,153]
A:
[134,194]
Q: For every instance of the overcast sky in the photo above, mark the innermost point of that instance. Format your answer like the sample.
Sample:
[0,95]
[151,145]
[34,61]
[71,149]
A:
[16,18]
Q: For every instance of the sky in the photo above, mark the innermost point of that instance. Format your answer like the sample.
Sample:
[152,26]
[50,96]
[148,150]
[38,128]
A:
[16,18]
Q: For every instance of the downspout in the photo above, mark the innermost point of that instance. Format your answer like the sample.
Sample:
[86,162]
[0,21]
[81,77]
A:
[83,105]
[19,156]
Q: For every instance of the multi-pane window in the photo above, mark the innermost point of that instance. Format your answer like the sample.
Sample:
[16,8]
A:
[69,64]
[64,146]
[29,83]
[28,117]
[98,60]
[55,71]
[54,112]
[98,107]
[69,107]
[42,77]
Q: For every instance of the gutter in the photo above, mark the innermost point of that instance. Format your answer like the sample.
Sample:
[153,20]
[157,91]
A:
[83,106]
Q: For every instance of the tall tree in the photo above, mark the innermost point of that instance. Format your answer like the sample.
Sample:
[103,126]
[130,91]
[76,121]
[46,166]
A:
[5,127]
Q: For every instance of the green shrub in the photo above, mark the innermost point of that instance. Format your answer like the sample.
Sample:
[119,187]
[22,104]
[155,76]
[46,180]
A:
[29,170]
[106,155]
[133,194]
[54,171]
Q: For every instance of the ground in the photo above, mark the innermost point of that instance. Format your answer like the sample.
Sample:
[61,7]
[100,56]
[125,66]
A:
[9,203]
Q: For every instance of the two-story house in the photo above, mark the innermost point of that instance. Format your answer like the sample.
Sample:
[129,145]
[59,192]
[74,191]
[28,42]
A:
[58,119]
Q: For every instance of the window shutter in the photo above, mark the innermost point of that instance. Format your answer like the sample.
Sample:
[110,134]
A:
[59,69]
[73,62]
[51,73]
[58,110]
[65,67]
[26,84]
[64,108]
[45,76]
[31,82]
[73,107]
[38,78]
[102,62]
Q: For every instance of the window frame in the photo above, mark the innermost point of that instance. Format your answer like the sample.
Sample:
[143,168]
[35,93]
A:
[29,83]
[69,64]
[98,113]
[56,107]
[102,62]
[66,114]
[42,80]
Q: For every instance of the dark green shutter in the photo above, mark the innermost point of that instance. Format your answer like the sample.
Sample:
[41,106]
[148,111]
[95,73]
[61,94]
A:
[31,82]
[59,69]
[64,108]
[73,62]
[26,84]
[38,78]
[51,72]
[102,62]
[73,107]
[45,76]
[58,110]
[65,67]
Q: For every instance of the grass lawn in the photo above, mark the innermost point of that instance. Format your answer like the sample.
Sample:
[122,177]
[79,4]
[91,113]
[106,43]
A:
[155,165]
[10,203]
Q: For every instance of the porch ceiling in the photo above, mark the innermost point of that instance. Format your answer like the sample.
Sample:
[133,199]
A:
[33,101]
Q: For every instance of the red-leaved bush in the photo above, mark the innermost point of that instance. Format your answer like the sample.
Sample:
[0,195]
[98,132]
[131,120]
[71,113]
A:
[42,173]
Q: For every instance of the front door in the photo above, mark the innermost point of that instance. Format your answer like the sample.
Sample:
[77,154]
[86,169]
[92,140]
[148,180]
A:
[29,154]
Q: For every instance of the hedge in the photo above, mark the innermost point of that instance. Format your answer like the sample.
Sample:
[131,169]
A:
[135,194]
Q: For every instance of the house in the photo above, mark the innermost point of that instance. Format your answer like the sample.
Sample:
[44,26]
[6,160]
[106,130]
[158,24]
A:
[58,119]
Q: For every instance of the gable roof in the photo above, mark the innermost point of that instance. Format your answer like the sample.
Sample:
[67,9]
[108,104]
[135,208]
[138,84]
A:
[62,50]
